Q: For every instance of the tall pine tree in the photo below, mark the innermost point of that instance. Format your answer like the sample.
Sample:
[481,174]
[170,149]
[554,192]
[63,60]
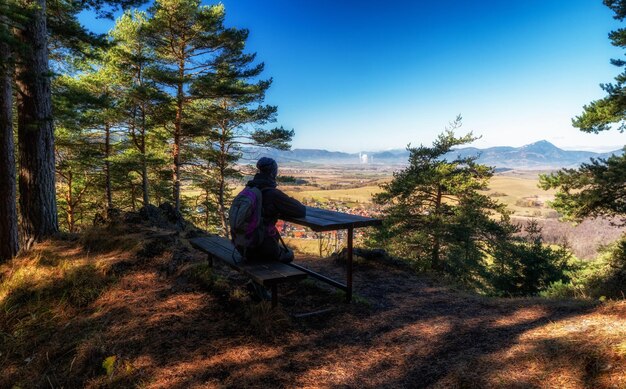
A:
[38,21]
[236,116]
[186,37]
[435,214]
[82,119]
[598,188]
[38,208]
[143,107]
[8,213]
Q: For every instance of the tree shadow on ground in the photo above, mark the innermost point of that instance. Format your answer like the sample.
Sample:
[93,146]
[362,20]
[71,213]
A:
[422,336]
[161,330]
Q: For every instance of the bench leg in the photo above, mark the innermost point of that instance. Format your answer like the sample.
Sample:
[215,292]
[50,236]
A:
[274,296]
[349,265]
[210,258]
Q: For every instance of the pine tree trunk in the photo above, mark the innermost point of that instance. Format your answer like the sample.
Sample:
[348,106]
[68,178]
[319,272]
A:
[206,209]
[178,123]
[221,200]
[221,192]
[133,196]
[35,131]
[144,181]
[70,203]
[436,261]
[176,170]
[144,162]
[107,166]
[8,214]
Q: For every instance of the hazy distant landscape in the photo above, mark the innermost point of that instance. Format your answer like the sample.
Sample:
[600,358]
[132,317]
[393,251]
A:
[348,180]
[537,155]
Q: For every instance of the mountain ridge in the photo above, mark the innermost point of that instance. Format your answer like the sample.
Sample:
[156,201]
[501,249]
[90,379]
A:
[537,155]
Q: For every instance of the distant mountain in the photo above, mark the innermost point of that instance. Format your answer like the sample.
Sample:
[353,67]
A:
[538,155]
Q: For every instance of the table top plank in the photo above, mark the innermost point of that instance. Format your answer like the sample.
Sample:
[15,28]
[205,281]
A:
[325,220]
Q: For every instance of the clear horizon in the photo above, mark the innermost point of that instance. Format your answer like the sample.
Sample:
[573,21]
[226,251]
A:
[356,76]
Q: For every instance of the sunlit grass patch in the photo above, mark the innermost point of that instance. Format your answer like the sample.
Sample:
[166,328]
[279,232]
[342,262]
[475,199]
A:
[77,281]
[41,292]
[304,246]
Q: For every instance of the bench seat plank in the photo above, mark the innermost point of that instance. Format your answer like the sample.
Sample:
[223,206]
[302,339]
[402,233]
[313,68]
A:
[264,273]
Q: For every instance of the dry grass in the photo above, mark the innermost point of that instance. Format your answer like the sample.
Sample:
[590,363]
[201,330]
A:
[523,196]
[356,195]
[133,323]
[308,247]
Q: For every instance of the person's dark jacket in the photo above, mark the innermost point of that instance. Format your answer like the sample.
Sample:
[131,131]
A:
[275,202]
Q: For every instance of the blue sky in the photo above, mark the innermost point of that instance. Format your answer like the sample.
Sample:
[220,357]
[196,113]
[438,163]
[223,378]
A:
[371,75]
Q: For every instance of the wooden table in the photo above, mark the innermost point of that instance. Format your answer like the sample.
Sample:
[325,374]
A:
[324,220]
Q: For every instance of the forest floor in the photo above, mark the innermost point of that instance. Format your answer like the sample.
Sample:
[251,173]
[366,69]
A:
[137,307]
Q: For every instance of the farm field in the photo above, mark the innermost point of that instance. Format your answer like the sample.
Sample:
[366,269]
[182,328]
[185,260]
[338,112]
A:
[352,196]
[518,189]
[520,192]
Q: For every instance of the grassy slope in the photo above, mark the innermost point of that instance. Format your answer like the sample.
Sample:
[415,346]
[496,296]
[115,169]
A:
[136,307]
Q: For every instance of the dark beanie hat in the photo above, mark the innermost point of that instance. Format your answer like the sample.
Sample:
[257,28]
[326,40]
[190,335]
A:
[268,166]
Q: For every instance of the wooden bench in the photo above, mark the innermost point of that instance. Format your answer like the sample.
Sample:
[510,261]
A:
[268,274]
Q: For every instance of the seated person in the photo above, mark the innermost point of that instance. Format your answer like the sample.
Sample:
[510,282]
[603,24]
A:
[275,204]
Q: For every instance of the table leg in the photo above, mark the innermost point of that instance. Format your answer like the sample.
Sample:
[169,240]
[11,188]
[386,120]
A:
[274,295]
[349,265]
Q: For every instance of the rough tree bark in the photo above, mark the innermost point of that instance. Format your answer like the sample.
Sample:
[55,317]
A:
[38,206]
[221,192]
[8,214]
[436,261]
[180,96]
[107,166]
[144,162]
